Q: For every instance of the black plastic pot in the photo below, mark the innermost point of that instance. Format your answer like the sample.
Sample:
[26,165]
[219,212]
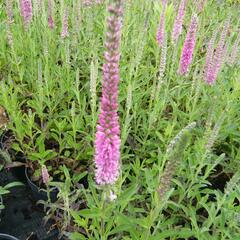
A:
[7,237]
[41,194]
[18,172]
[4,136]
[22,217]
[1,201]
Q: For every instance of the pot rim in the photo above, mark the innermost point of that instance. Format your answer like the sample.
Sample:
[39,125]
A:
[53,189]
[7,236]
[1,201]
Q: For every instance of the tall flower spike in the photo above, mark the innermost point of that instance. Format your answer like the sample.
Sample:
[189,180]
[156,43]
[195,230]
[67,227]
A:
[177,28]
[161,27]
[9,7]
[174,153]
[9,36]
[188,47]
[65,32]
[26,12]
[50,14]
[219,54]
[234,51]
[107,143]
[217,59]
[9,10]
[209,54]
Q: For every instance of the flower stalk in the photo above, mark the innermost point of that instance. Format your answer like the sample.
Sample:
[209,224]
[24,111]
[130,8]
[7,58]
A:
[107,142]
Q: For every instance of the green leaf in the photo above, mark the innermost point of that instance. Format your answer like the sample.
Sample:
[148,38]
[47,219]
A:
[90,213]
[80,221]
[121,228]
[3,191]
[13,184]
[78,177]
[77,236]
[126,196]
[180,233]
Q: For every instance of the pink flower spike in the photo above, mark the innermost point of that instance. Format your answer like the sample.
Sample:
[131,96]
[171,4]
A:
[65,33]
[161,28]
[26,12]
[209,54]
[45,175]
[107,142]
[214,65]
[50,15]
[50,22]
[177,28]
[188,47]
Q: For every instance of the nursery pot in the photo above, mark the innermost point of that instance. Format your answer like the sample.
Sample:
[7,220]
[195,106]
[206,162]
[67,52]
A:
[17,158]
[3,138]
[7,237]
[1,201]
[19,172]
[38,193]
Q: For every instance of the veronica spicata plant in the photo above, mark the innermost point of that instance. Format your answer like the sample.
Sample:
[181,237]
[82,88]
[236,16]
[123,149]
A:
[107,143]
[188,47]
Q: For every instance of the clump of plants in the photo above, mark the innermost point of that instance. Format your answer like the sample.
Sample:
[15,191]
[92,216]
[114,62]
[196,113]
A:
[168,69]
